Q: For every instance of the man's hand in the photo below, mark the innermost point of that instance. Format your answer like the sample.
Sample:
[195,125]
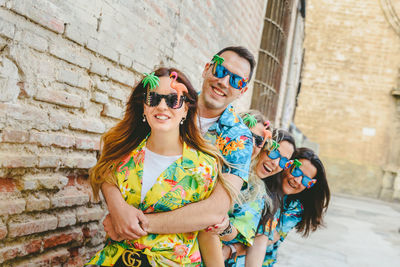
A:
[128,222]
[109,229]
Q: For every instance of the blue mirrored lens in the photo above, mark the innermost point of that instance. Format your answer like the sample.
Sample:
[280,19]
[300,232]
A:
[274,154]
[220,71]
[296,172]
[305,181]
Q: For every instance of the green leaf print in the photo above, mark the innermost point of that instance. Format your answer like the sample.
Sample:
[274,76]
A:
[110,250]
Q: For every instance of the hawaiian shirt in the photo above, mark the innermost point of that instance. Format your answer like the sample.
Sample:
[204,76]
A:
[287,220]
[189,179]
[233,138]
[245,218]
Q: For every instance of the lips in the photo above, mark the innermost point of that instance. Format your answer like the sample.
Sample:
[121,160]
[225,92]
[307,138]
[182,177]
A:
[162,117]
[218,91]
[266,168]
[292,183]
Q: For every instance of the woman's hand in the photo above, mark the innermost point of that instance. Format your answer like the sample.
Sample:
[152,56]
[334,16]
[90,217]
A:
[218,228]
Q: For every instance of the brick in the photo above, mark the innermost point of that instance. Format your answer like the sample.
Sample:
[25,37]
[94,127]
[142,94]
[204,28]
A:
[93,233]
[58,120]
[7,29]
[80,162]
[88,125]
[125,61]
[8,185]
[53,258]
[32,40]
[58,97]
[9,77]
[32,246]
[46,181]
[25,225]
[69,52]
[121,76]
[44,13]
[68,197]
[10,252]
[49,161]
[64,238]
[12,206]
[103,49]
[3,230]
[14,136]
[15,161]
[112,111]
[74,79]
[87,143]
[99,98]
[84,214]
[98,66]
[66,218]
[30,116]
[37,202]
[51,139]
[119,94]
[102,86]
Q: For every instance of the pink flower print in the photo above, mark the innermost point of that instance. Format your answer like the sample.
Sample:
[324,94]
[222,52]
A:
[195,257]
[180,251]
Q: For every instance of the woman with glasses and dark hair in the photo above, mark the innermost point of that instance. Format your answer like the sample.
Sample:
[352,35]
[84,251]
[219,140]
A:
[303,193]
[157,160]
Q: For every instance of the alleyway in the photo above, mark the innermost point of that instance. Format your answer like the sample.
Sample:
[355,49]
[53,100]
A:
[360,232]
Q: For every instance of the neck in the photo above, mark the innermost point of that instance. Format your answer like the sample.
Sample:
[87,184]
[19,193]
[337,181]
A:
[206,112]
[167,144]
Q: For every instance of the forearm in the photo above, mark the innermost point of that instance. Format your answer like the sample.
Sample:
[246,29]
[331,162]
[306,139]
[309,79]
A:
[211,250]
[256,253]
[192,217]
[113,197]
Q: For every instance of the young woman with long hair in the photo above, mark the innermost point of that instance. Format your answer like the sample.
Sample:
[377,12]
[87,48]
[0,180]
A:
[159,161]
[303,193]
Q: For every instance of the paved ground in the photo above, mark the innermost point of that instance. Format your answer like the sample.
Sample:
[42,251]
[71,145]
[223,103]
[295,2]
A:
[360,232]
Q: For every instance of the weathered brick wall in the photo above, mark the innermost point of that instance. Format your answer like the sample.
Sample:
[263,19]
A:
[66,70]
[351,63]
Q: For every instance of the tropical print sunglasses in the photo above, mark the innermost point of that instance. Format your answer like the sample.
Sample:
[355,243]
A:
[297,172]
[273,153]
[235,80]
[153,99]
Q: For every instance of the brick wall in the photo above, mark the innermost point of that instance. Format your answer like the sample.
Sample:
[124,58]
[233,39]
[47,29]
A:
[66,70]
[351,63]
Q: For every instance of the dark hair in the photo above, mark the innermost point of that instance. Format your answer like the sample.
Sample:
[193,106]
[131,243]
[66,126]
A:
[273,184]
[121,139]
[244,53]
[315,200]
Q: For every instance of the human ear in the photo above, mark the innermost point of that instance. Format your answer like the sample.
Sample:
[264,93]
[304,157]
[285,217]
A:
[206,67]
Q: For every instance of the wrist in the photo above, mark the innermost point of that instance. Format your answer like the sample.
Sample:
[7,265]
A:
[227,231]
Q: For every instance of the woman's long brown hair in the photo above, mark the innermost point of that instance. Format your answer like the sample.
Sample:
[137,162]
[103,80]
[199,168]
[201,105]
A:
[124,137]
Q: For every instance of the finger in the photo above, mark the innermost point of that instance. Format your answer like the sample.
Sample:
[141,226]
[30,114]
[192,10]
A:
[143,221]
[137,229]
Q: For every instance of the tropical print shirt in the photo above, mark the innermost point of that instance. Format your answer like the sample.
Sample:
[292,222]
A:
[189,179]
[282,223]
[285,222]
[233,138]
[245,218]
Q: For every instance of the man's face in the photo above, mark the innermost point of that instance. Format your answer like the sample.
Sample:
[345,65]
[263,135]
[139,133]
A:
[217,93]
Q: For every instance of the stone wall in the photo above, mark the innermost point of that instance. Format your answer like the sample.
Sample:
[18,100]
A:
[352,57]
[66,70]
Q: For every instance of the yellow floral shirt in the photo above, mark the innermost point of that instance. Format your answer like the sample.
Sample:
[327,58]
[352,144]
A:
[189,179]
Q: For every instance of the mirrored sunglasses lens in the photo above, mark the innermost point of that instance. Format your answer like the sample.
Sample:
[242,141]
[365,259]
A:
[172,101]
[274,154]
[153,99]
[220,71]
[283,163]
[296,172]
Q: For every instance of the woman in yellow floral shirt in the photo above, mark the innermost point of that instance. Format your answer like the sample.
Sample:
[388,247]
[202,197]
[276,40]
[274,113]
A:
[159,161]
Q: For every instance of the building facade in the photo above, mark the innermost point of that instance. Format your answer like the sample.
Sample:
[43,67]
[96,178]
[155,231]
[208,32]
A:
[349,101]
[66,70]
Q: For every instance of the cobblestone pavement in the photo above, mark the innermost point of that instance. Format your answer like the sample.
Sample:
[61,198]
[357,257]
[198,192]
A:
[359,232]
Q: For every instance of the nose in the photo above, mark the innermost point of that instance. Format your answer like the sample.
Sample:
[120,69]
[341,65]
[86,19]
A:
[275,163]
[224,82]
[298,179]
[162,104]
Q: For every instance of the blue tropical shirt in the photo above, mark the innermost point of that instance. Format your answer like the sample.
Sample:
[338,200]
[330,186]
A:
[288,219]
[283,223]
[233,138]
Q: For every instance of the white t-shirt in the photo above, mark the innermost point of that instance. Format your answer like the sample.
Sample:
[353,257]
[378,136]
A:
[154,164]
[206,123]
